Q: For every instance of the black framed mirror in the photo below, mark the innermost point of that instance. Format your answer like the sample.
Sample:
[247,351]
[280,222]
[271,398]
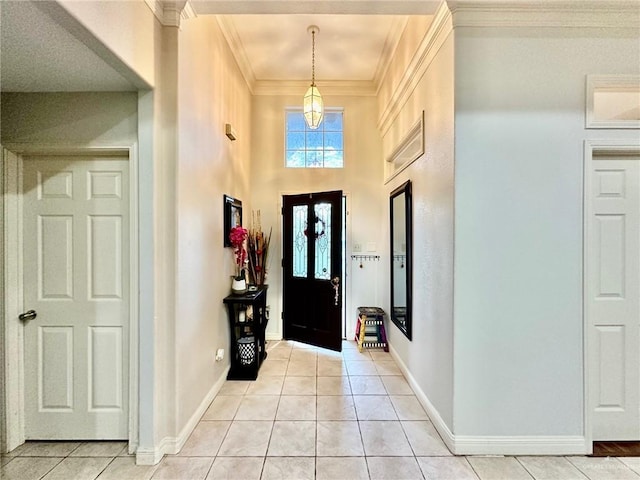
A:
[401,257]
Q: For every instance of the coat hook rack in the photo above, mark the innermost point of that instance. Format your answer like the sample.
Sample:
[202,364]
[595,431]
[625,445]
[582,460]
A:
[365,258]
[400,258]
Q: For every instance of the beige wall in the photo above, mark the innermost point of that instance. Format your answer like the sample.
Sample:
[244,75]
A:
[211,92]
[429,356]
[360,179]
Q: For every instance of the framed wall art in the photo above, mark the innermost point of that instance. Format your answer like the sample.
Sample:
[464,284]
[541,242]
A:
[232,217]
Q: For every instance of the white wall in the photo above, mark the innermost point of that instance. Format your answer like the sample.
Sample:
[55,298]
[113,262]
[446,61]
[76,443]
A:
[429,356]
[520,102]
[360,179]
[211,92]
[87,119]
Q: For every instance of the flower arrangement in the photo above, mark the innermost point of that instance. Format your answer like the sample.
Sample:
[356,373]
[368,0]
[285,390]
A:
[258,245]
[237,237]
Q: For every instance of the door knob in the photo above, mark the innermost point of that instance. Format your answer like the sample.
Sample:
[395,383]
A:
[26,316]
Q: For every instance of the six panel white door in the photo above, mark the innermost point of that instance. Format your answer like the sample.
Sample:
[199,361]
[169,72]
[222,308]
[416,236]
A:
[613,269]
[76,276]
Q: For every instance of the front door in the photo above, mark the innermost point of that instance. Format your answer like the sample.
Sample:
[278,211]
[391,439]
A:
[613,290]
[312,291]
[76,278]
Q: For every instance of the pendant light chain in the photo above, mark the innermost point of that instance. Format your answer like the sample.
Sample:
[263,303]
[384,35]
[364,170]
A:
[313,58]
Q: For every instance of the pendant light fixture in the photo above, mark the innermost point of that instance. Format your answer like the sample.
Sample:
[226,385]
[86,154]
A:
[312,105]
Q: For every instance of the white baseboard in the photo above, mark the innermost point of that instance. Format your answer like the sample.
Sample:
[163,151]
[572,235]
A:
[520,445]
[493,444]
[173,445]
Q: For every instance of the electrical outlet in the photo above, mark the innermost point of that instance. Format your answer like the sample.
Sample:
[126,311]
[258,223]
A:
[357,247]
[219,354]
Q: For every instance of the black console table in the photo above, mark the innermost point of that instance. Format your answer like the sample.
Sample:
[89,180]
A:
[247,322]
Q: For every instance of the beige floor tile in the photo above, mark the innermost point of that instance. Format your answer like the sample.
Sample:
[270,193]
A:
[234,387]
[125,468]
[331,368]
[297,407]
[46,449]
[367,385]
[393,468]
[551,468]
[446,468]
[287,468]
[246,439]
[374,407]
[99,449]
[498,468]
[23,468]
[396,385]
[353,355]
[266,385]
[206,438]
[78,468]
[424,439]
[336,468]
[603,468]
[335,407]
[183,468]
[292,439]
[361,368]
[298,368]
[408,407]
[632,462]
[236,468]
[279,354]
[299,385]
[338,438]
[381,356]
[387,368]
[273,366]
[324,354]
[4,460]
[223,407]
[303,355]
[333,386]
[258,407]
[384,439]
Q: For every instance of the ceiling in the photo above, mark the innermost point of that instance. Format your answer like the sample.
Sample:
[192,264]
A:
[38,55]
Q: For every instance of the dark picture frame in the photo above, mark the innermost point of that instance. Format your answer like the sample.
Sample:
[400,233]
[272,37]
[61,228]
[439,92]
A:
[232,217]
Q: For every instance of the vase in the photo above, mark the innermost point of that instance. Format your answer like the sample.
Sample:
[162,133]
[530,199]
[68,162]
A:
[239,286]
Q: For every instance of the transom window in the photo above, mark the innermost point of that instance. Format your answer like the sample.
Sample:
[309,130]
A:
[319,148]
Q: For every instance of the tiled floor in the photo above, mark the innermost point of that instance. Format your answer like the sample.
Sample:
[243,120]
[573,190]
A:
[312,413]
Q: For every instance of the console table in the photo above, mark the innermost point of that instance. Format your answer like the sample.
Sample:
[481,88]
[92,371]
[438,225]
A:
[247,322]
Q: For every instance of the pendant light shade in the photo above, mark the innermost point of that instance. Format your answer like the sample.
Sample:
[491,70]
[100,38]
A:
[313,106]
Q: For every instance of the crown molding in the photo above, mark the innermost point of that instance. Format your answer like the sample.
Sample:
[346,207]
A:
[171,12]
[234,42]
[389,49]
[618,14]
[438,31]
[352,88]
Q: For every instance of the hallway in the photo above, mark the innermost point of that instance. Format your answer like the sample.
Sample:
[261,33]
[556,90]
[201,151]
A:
[312,413]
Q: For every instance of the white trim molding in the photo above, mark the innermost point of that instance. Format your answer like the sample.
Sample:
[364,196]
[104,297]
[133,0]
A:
[12,330]
[439,30]
[173,445]
[613,84]
[616,14]
[171,12]
[492,444]
[410,148]
[622,148]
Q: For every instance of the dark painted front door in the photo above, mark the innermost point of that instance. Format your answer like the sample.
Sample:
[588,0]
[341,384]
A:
[312,290]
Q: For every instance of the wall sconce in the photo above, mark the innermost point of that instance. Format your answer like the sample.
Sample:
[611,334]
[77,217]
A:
[230,132]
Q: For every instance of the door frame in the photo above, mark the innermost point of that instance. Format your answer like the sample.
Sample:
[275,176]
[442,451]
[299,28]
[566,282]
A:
[12,415]
[593,148]
[346,267]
